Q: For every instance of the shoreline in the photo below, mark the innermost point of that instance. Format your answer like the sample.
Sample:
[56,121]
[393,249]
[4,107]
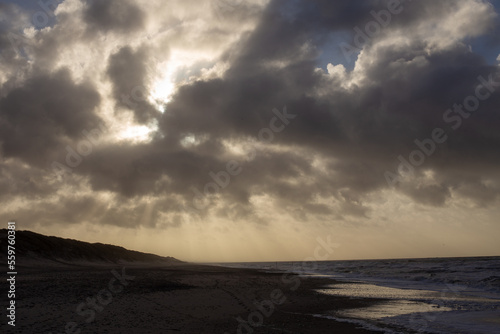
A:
[187,298]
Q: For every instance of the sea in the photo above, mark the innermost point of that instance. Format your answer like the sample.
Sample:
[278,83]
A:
[434,295]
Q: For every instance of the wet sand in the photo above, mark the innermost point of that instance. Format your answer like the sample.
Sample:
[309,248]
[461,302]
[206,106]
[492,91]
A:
[173,299]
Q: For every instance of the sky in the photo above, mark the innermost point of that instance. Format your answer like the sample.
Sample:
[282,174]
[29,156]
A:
[254,130]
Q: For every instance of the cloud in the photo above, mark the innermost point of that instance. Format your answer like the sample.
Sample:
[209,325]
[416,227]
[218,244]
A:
[113,16]
[229,69]
[43,114]
[128,71]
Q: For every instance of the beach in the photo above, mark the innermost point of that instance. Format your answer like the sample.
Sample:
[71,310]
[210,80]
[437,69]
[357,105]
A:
[174,299]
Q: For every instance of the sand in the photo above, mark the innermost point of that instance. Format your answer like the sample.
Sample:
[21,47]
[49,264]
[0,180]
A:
[172,299]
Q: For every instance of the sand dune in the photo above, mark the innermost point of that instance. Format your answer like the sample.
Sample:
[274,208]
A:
[33,248]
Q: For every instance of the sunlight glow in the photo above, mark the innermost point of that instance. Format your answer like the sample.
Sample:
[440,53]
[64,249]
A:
[163,89]
[136,133]
[191,140]
[182,67]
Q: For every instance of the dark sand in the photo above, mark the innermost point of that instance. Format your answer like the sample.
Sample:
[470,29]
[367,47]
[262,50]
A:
[172,299]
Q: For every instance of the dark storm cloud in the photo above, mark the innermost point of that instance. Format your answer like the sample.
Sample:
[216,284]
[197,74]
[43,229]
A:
[353,132]
[128,71]
[37,118]
[365,127]
[17,179]
[434,195]
[134,170]
[478,191]
[121,16]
